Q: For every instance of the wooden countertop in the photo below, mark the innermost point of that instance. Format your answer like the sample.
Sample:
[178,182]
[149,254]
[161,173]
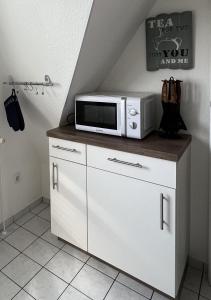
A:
[153,145]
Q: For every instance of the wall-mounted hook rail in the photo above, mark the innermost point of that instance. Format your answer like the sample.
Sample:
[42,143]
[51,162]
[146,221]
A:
[47,82]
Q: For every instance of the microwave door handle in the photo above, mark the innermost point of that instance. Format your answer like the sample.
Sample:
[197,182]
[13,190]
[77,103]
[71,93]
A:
[123,117]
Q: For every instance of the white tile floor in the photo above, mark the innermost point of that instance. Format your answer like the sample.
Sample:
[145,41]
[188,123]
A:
[34,264]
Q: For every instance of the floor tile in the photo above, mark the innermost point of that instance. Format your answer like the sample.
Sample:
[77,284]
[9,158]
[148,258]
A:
[26,217]
[41,251]
[119,291]
[103,267]
[157,296]
[8,288]
[92,283]
[23,296]
[76,252]
[21,239]
[21,269]
[193,279]
[188,295]
[37,225]
[45,286]
[73,294]
[45,214]
[135,285]
[10,229]
[65,266]
[194,263]
[7,253]
[51,238]
[37,209]
[205,288]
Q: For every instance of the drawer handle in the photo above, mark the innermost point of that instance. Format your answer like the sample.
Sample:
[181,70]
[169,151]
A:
[137,165]
[65,149]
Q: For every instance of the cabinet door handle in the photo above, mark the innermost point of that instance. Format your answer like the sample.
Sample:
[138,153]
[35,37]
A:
[137,165]
[161,211]
[65,149]
[55,183]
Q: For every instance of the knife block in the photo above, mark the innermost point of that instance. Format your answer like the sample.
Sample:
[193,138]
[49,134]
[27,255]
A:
[171,121]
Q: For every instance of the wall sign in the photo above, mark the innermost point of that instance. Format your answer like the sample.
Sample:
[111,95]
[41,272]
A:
[169,41]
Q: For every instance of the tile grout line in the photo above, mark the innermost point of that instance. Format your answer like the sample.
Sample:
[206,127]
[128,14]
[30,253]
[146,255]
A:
[59,249]
[34,214]
[202,276]
[25,292]
[14,222]
[136,291]
[69,284]
[37,237]
[30,210]
[189,289]
[42,267]
[21,252]
[111,286]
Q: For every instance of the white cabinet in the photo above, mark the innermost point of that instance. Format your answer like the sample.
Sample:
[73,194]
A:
[68,201]
[125,218]
[129,210]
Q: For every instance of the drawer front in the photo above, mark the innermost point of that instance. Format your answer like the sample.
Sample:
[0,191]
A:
[150,169]
[67,150]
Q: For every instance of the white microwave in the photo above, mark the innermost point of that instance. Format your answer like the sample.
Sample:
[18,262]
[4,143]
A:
[128,114]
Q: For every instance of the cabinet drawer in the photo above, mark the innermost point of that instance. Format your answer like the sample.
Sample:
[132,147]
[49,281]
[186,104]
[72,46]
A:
[67,150]
[150,169]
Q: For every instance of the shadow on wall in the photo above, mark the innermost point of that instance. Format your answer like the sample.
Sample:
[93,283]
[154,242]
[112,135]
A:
[33,112]
[194,115]
[36,119]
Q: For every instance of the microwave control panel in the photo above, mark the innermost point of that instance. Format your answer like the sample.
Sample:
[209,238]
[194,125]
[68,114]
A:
[140,116]
[133,117]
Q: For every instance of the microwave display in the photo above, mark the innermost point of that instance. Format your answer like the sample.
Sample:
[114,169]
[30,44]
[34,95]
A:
[96,114]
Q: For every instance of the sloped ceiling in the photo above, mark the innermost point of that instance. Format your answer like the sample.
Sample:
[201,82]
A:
[111,25]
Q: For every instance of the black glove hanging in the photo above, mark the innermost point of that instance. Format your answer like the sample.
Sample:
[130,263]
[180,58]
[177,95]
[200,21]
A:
[13,112]
[171,121]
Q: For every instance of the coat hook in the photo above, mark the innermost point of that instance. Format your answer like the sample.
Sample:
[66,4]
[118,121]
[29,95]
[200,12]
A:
[36,93]
[31,87]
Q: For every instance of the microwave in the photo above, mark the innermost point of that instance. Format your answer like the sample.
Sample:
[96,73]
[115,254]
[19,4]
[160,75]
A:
[129,114]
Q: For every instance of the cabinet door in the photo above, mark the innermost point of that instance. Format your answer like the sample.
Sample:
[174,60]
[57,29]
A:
[68,201]
[124,227]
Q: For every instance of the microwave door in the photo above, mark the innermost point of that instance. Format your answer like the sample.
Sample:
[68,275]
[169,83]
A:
[96,116]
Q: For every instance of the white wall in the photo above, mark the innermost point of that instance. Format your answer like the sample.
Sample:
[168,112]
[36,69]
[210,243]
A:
[37,38]
[107,35]
[130,74]
[209,223]
[17,155]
